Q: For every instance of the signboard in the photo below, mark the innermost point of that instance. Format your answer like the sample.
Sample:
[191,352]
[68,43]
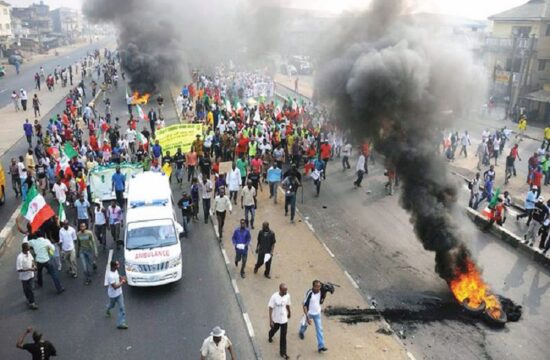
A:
[178,136]
[503,77]
[100,177]
[225,167]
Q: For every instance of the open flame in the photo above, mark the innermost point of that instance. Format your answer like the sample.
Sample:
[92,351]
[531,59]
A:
[467,284]
[138,99]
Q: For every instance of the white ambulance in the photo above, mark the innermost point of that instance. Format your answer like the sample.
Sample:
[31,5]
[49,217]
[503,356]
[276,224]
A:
[152,249]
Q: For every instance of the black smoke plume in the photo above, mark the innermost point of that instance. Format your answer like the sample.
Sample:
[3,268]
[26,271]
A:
[392,82]
[160,40]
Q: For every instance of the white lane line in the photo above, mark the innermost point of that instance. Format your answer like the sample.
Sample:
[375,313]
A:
[327,249]
[351,280]
[3,91]
[248,325]
[108,267]
[225,258]
[411,356]
[310,226]
[235,287]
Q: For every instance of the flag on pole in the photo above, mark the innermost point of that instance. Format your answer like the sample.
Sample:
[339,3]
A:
[35,209]
[494,199]
[61,213]
[69,150]
[141,115]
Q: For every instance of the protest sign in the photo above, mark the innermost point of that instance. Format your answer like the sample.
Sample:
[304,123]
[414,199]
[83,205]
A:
[178,136]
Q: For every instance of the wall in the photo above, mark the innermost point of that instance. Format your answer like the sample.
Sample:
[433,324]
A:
[5,21]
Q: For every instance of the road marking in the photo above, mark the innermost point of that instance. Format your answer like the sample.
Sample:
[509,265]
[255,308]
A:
[411,356]
[310,226]
[235,287]
[3,91]
[225,258]
[8,228]
[108,267]
[327,249]
[248,325]
[351,280]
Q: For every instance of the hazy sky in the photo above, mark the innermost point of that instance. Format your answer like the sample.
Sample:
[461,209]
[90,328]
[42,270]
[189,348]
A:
[477,9]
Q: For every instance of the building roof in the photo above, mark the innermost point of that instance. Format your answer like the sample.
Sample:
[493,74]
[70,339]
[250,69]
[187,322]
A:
[3,3]
[532,10]
[540,96]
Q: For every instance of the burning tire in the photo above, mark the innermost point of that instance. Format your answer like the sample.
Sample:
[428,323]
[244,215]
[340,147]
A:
[495,317]
[472,308]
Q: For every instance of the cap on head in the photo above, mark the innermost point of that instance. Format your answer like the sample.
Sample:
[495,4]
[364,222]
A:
[217,331]
[541,199]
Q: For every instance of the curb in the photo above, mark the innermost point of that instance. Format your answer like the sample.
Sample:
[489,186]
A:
[240,301]
[9,231]
[508,237]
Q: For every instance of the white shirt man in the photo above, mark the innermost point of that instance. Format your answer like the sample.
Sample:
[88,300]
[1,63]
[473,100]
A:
[67,237]
[346,150]
[234,179]
[130,135]
[25,266]
[60,191]
[279,313]
[360,166]
[215,346]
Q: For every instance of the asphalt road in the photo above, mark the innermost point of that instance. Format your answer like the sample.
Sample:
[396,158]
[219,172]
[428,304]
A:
[25,79]
[166,322]
[372,239]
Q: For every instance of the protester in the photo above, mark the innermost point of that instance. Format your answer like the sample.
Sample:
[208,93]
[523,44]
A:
[249,203]
[39,349]
[312,313]
[86,250]
[26,267]
[67,238]
[215,346]
[221,205]
[114,292]
[279,314]
[241,240]
[264,249]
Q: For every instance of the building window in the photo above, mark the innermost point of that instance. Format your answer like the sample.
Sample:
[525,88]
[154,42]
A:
[521,31]
[7,26]
[542,65]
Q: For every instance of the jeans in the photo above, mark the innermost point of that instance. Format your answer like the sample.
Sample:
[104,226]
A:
[70,258]
[101,234]
[233,196]
[119,198]
[51,270]
[532,231]
[359,180]
[121,310]
[345,162]
[24,189]
[190,172]
[240,255]
[87,259]
[290,200]
[115,233]
[220,215]
[186,218]
[249,209]
[282,341]
[27,290]
[206,209]
[273,187]
[318,329]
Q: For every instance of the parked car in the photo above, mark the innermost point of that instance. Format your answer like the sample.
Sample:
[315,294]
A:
[15,58]
[287,69]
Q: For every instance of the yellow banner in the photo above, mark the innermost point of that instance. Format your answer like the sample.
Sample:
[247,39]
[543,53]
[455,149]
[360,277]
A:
[178,136]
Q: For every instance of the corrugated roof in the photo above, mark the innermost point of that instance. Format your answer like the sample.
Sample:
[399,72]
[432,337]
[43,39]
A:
[540,96]
[532,10]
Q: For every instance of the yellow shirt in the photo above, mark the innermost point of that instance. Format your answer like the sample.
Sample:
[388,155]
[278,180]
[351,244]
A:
[210,118]
[547,133]
[522,125]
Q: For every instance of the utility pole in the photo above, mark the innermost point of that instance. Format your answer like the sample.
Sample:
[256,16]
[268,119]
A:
[511,76]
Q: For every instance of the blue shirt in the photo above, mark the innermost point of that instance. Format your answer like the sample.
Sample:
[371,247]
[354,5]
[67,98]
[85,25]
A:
[489,188]
[157,150]
[82,209]
[274,174]
[530,200]
[119,181]
[28,129]
[241,237]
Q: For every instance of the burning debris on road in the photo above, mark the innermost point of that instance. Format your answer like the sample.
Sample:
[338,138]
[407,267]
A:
[429,312]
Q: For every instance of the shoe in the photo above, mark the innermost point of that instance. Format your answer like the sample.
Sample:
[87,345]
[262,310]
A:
[323,349]
[236,263]
[530,244]
[33,306]
[243,275]
[87,282]
[267,276]
[270,339]
[286,213]
[75,276]
[285,356]
[122,327]
[301,335]
[252,227]
[107,313]
[255,270]
[61,291]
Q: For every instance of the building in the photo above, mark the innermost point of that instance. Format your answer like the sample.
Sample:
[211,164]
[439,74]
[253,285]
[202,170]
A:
[66,21]
[517,53]
[36,18]
[5,20]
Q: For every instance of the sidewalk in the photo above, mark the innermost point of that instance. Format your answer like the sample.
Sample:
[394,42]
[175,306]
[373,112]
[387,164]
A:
[299,258]
[304,89]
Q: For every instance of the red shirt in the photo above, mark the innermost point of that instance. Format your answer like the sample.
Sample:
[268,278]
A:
[93,143]
[514,152]
[256,165]
[366,149]
[537,178]
[325,151]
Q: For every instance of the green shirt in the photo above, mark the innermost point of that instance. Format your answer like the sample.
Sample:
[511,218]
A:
[42,248]
[252,149]
[85,242]
[242,165]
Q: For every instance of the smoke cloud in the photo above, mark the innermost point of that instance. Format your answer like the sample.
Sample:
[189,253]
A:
[391,81]
[160,40]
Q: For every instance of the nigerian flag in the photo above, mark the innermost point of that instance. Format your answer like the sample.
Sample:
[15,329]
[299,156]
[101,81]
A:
[61,213]
[494,199]
[35,209]
[69,150]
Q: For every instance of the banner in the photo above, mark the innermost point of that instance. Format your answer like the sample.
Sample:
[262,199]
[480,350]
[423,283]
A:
[178,136]
[100,179]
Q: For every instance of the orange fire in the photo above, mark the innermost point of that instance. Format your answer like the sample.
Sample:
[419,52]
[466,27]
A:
[140,99]
[469,285]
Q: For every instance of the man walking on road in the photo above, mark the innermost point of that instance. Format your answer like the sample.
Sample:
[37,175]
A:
[360,170]
[265,247]
[23,97]
[279,314]
[86,249]
[26,267]
[221,205]
[539,216]
[67,238]
[206,194]
[42,249]
[312,312]
[114,215]
[215,346]
[27,128]
[39,349]
[119,185]
[291,185]
[248,203]
[241,239]
[114,291]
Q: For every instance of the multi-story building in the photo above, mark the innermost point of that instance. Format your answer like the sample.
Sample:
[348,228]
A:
[5,20]
[517,53]
[36,18]
[66,21]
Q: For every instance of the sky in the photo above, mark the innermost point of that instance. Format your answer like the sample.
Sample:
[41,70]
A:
[475,9]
